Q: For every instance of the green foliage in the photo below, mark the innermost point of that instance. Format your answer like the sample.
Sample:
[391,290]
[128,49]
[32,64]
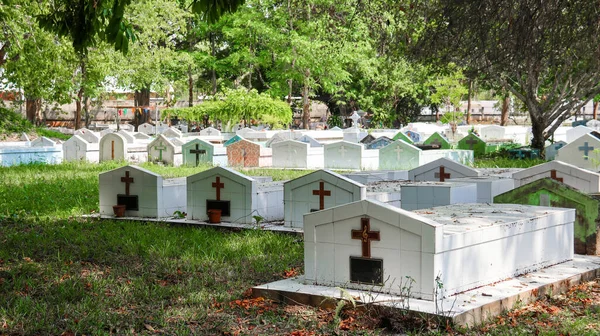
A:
[12,122]
[452,117]
[335,121]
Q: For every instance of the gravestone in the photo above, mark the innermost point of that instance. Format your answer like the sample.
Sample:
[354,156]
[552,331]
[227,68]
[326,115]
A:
[244,132]
[423,194]
[196,152]
[319,190]
[550,192]
[126,127]
[310,140]
[279,137]
[441,170]
[581,179]
[234,139]
[577,132]
[144,193]
[239,197]
[343,155]
[583,152]
[399,155]
[474,143]
[113,147]
[492,132]
[164,150]
[379,143]
[552,149]
[210,132]
[243,153]
[106,131]
[172,132]
[401,136]
[488,187]
[78,149]
[127,135]
[376,247]
[43,142]
[290,154]
[367,139]
[87,135]
[147,128]
[438,140]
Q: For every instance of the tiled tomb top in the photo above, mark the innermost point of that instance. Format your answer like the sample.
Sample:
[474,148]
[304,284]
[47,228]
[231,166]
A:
[383,186]
[461,218]
[501,172]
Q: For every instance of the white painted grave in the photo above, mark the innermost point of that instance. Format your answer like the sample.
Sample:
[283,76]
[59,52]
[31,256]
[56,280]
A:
[43,142]
[368,177]
[583,152]
[144,193]
[488,187]
[492,132]
[582,179]
[113,147]
[441,170]
[78,149]
[89,136]
[343,155]
[401,155]
[147,128]
[164,150]
[423,194]
[172,132]
[127,135]
[238,196]
[375,247]
[576,132]
[296,154]
[316,191]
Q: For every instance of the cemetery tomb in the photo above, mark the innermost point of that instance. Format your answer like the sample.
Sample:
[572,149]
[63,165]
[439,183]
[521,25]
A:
[552,193]
[487,187]
[113,147]
[552,149]
[43,142]
[106,131]
[147,128]
[172,132]
[367,177]
[593,124]
[127,135]
[492,132]
[379,143]
[197,151]
[239,197]
[212,135]
[310,140]
[441,170]
[399,155]
[244,132]
[343,155]
[319,190]
[296,154]
[164,150]
[477,145]
[583,152]
[126,127]
[413,135]
[279,137]
[376,247]
[141,136]
[367,139]
[401,136]
[16,153]
[144,193]
[234,139]
[87,135]
[423,194]
[354,134]
[245,153]
[78,149]
[581,179]
[438,140]
[577,132]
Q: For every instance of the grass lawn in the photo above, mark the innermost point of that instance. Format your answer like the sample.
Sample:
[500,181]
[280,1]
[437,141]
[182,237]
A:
[61,274]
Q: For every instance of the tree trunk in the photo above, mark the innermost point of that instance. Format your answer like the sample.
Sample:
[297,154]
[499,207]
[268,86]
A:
[86,110]
[595,110]
[141,98]
[469,102]
[190,87]
[538,141]
[78,108]
[305,101]
[505,110]
[32,108]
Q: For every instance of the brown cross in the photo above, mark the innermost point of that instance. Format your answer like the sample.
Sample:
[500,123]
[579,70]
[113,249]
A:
[112,150]
[127,180]
[322,193]
[218,185]
[442,175]
[366,235]
[554,177]
[471,142]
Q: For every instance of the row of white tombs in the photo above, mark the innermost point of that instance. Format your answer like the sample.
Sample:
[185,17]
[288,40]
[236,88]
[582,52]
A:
[382,153]
[364,228]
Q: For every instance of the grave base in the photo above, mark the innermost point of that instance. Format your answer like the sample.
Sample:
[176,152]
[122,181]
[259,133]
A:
[469,308]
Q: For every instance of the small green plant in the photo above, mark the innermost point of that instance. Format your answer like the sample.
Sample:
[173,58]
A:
[258,219]
[179,214]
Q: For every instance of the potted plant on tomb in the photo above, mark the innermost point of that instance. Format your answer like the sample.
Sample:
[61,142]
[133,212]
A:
[119,210]
[214,216]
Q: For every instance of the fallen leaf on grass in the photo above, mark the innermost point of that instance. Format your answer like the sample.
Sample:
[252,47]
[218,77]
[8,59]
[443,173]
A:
[149,327]
[302,333]
[27,259]
[4,325]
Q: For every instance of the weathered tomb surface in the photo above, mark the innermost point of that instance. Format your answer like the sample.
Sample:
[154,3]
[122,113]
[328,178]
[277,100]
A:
[438,140]
[165,150]
[376,247]
[147,128]
[245,153]
[478,145]
[583,152]
[582,179]
[400,155]
[367,177]
[401,136]
[88,135]
[78,149]
[316,191]
[238,196]
[196,152]
[343,155]
[378,143]
[440,170]
[144,193]
[550,192]
[296,154]
[488,187]
[426,194]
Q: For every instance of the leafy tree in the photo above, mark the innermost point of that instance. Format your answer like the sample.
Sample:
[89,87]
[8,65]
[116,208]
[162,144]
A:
[543,52]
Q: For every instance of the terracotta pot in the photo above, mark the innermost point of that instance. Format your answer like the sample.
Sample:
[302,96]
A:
[214,216]
[119,210]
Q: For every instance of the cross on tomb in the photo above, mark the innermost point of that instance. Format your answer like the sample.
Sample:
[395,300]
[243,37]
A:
[160,148]
[398,150]
[365,235]
[343,151]
[290,153]
[586,149]
[436,142]
[77,149]
[554,177]
[322,193]
[208,131]
[442,175]
[112,150]
[471,142]
[198,152]
[217,184]
[127,180]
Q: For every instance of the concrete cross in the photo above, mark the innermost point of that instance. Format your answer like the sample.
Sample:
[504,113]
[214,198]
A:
[355,118]
[198,152]
[365,235]
[208,131]
[321,192]
[586,149]
[442,175]
[217,184]
[343,151]
[160,148]
[127,180]
[398,150]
